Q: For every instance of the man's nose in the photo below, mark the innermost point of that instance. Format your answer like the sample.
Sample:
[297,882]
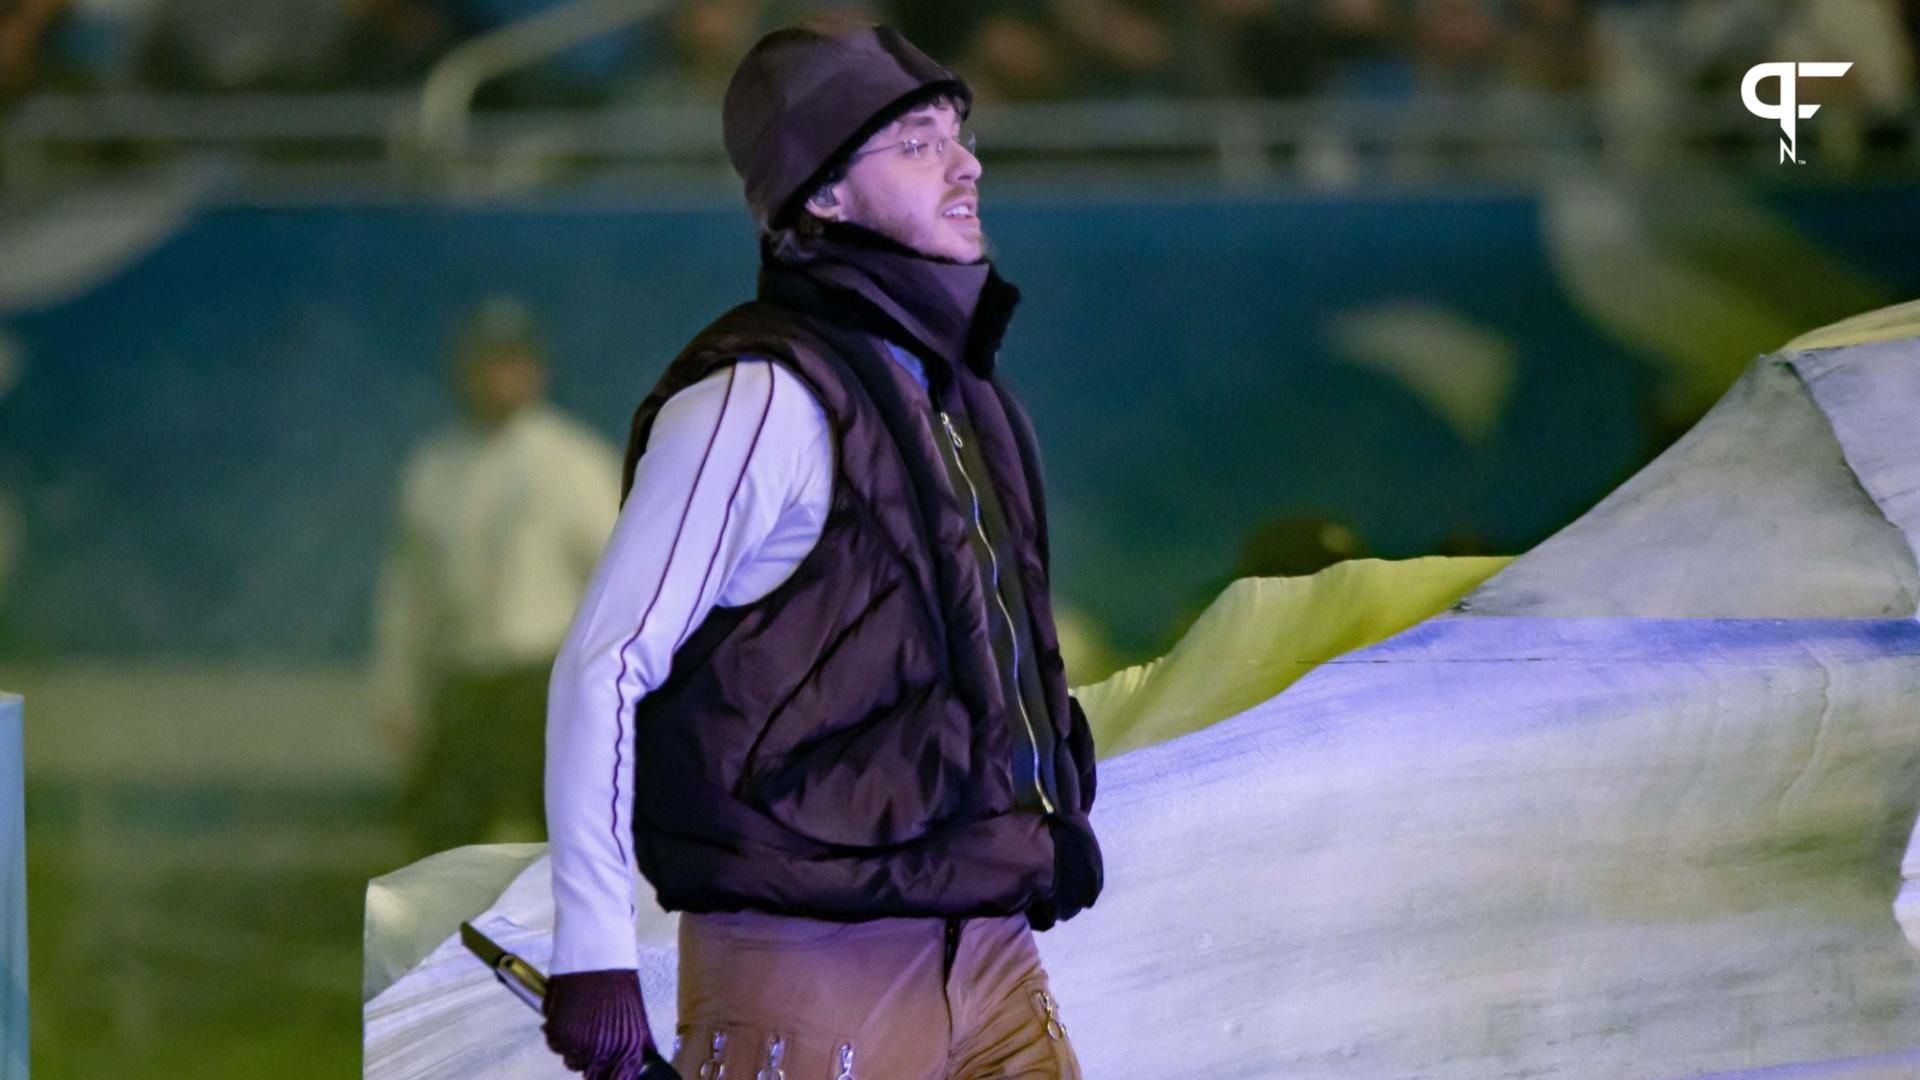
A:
[962,163]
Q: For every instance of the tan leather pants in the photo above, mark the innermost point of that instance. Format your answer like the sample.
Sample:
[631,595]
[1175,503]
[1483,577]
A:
[769,997]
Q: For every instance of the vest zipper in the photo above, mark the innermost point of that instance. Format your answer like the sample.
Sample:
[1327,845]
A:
[993,561]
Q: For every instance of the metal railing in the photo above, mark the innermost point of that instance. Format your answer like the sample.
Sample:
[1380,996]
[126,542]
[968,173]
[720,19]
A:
[433,141]
[446,101]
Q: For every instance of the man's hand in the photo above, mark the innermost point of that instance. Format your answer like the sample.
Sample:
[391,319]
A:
[597,1023]
[1077,878]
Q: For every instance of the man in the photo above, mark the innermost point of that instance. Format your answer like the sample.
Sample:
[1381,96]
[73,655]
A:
[501,519]
[814,693]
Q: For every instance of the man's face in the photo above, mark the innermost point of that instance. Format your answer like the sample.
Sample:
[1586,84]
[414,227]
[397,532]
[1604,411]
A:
[495,383]
[928,200]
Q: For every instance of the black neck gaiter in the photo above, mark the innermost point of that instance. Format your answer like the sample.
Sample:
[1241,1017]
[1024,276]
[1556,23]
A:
[945,312]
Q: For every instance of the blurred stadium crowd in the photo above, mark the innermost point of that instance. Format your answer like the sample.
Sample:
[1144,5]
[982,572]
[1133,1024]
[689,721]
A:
[1013,50]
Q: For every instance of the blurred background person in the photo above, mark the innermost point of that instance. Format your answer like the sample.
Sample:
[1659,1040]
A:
[1014,53]
[24,28]
[1121,48]
[500,521]
[393,42]
[1051,50]
[1292,48]
[1549,47]
[1456,45]
[706,39]
[215,45]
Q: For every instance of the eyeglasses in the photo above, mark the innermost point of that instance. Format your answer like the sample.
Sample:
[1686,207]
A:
[921,150]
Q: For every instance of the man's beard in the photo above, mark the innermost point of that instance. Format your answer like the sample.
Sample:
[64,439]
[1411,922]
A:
[903,229]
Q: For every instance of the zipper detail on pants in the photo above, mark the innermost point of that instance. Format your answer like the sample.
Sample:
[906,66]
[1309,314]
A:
[993,561]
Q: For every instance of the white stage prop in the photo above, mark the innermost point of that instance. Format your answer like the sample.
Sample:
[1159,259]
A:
[1633,808]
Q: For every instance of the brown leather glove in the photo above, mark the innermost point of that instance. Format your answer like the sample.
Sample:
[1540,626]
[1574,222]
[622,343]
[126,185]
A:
[597,1023]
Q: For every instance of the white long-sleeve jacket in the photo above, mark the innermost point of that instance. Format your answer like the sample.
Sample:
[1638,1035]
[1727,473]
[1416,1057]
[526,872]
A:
[729,497]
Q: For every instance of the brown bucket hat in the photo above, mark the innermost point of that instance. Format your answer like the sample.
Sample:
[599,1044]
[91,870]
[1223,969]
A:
[809,94]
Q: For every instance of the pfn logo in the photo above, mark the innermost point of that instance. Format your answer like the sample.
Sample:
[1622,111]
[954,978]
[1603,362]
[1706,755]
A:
[1788,110]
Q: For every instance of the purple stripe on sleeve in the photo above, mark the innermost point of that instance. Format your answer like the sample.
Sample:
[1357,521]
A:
[619,684]
[765,411]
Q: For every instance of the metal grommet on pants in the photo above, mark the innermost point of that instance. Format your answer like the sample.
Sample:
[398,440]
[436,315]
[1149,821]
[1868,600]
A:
[870,1000]
[776,1054]
[714,1068]
[1049,1011]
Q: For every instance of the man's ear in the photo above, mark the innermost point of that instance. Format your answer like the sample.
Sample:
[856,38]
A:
[825,204]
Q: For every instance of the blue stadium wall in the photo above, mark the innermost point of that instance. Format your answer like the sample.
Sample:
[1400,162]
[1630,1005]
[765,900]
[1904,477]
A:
[205,445]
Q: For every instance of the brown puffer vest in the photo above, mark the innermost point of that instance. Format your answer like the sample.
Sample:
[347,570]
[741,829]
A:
[845,747]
